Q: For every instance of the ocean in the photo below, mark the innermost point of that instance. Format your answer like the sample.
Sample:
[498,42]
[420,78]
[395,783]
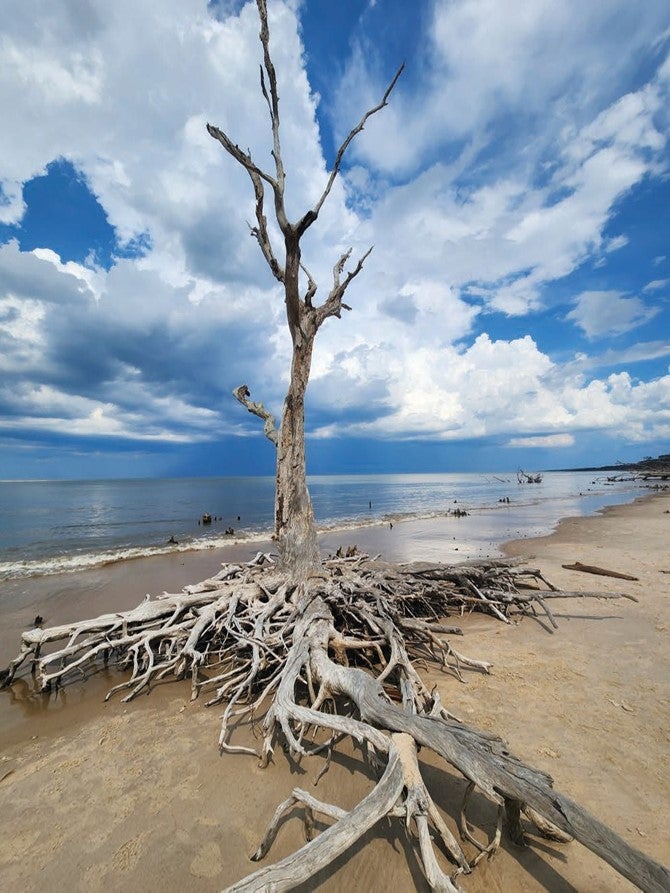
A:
[51,527]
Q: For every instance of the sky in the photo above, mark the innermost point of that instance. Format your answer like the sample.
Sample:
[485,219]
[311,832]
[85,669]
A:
[515,309]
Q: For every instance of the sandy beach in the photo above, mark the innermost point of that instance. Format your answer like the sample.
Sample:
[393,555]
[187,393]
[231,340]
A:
[118,797]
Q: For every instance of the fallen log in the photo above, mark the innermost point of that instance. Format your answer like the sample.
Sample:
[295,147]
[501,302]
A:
[600,571]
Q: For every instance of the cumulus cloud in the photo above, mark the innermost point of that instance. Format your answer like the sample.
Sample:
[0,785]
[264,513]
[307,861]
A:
[492,388]
[495,179]
[600,313]
[120,354]
[491,60]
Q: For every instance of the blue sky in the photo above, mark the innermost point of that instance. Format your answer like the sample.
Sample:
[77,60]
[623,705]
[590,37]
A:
[515,309]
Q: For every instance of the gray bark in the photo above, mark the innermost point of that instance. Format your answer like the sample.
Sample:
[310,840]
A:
[294,516]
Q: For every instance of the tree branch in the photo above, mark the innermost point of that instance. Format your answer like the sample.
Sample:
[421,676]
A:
[288,274]
[260,232]
[312,214]
[273,99]
[270,427]
[257,176]
[273,105]
[311,286]
[242,157]
[334,305]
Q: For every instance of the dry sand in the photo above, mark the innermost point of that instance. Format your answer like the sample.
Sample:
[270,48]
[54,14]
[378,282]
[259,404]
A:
[118,797]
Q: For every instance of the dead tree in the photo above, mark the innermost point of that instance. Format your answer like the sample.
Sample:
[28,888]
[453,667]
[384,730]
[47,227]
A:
[313,652]
[294,519]
[524,478]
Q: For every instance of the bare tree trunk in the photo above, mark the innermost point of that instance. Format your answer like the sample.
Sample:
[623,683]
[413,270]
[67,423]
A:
[294,517]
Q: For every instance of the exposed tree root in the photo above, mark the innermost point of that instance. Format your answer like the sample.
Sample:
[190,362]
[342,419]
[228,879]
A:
[337,654]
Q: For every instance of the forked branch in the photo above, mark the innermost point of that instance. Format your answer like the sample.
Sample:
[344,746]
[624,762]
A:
[287,274]
[334,304]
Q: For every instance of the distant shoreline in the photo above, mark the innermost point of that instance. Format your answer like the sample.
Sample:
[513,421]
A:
[660,465]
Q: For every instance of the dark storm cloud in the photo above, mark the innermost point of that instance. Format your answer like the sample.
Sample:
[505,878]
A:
[140,346]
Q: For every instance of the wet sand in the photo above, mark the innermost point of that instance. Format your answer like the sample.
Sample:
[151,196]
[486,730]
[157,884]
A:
[126,797]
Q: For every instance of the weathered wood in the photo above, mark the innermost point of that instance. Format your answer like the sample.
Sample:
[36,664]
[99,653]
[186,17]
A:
[242,394]
[297,651]
[600,571]
[320,852]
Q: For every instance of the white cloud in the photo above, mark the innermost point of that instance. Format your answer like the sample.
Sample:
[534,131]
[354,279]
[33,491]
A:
[635,353]
[545,65]
[90,277]
[54,81]
[505,238]
[494,388]
[547,441]
[600,313]
[121,352]
[616,243]
[151,348]
[656,285]
[444,392]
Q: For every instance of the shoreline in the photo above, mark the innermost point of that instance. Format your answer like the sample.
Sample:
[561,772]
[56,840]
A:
[499,518]
[80,593]
[586,703]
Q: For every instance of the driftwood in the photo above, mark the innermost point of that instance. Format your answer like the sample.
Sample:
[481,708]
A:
[599,571]
[332,657]
[524,478]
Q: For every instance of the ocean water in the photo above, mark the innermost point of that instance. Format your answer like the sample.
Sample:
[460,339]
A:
[54,526]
